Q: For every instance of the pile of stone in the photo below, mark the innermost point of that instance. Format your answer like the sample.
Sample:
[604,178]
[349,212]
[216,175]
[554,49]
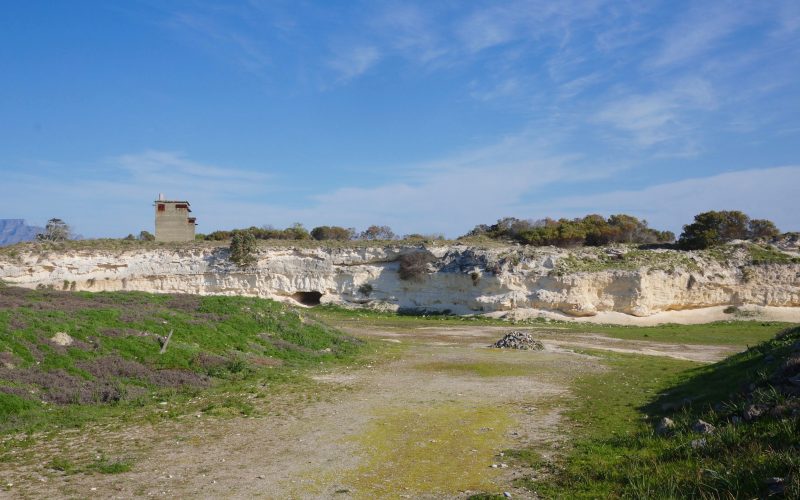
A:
[519,340]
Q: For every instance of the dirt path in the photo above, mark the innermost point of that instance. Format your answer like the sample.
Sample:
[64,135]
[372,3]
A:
[429,423]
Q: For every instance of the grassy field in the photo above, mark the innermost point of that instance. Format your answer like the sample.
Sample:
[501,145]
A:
[70,358]
[111,362]
[616,453]
[743,333]
[734,332]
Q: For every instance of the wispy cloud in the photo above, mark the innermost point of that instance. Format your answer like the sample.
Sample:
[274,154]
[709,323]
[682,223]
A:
[175,172]
[113,196]
[707,25]
[502,23]
[351,62]
[762,193]
[451,194]
[661,116]
[216,37]
[498,90]
[408,30]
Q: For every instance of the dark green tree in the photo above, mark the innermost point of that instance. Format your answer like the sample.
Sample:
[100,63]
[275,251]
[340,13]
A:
[55,230]
[762,229]
[714,228]
[243,249]
[146,236]
[333,233]
[377,233]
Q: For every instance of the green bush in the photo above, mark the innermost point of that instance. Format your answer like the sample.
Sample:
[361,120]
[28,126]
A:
[294,232]
[243,249]
[592,230]
[333,233]
[146,236]
[377,233]
[718,227]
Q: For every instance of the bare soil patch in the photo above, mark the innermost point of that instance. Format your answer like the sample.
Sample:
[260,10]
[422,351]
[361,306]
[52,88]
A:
[428,423]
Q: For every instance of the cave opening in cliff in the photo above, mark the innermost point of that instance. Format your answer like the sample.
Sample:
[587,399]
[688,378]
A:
[308,298]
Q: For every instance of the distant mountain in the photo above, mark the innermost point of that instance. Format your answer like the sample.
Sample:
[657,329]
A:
[15,230]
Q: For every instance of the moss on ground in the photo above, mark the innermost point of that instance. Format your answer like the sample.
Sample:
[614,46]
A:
[438,450]
[502,363]
[482,369]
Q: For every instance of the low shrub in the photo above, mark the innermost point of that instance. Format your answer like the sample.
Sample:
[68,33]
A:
[337,233]
[414,266]
[243,249]
[592,230]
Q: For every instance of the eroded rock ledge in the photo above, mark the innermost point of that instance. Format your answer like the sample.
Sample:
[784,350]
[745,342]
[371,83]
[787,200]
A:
[460,279]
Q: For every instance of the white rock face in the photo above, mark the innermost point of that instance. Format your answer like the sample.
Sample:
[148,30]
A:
[463,280]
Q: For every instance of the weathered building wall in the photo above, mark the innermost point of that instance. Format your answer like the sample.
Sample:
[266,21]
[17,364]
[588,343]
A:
[173,222]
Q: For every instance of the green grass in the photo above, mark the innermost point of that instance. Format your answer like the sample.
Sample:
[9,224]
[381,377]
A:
[607,409]
[615,452]
[762,255]
[101,464]
[436,450]
[219,345]
[732,332]
[106,466]
[596,259]
[482,368]
[740,333]
[590,259]
[341,315]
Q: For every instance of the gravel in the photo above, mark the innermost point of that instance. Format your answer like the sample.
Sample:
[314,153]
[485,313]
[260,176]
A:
[519,340]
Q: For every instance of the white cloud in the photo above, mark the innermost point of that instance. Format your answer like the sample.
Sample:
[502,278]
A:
[213,36]
[452,194]
[769,193]
[699,32]
[351,62]
[661,116]
[171,171]
[114,197]
[522,20]
[448,195]
[502,89]
[409,30]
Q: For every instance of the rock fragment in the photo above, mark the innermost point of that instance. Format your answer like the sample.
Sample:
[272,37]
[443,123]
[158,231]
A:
[752,412]
[665,427]
[703,427]
[62,339]
[519,340]
[698,443]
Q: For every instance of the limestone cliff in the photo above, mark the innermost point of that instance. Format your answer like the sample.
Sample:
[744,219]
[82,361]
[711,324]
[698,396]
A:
[461,279]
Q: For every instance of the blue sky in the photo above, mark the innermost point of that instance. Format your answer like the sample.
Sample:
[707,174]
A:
[430,117]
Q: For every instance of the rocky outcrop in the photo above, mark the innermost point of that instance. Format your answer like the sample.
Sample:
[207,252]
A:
[460,279]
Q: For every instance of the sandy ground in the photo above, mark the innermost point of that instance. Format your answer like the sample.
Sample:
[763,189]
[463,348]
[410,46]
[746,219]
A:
[428,423]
